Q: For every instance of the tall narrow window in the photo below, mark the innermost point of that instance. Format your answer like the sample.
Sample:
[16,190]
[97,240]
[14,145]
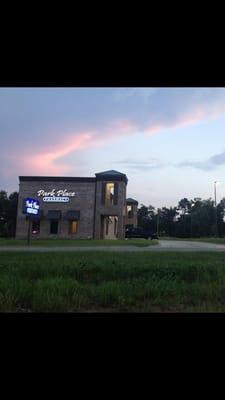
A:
[54,226]
[129,212]
[109,195]
[72,227]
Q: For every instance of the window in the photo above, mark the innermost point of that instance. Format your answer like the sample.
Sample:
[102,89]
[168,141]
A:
[73,227]
[109,193]
[54,226]
[35,227]
[129,212]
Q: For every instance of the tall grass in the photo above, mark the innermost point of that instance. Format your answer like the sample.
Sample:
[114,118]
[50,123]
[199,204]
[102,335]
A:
[143,282]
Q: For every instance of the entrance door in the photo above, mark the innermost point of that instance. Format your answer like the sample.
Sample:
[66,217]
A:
[109,227]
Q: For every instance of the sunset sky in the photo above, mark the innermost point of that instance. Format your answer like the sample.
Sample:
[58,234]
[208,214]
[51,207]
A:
[170,142]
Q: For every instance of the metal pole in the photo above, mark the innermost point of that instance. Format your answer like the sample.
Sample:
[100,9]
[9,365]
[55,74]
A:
[158,223]
[216,230]
[215,191]
[29,229]
[192,205]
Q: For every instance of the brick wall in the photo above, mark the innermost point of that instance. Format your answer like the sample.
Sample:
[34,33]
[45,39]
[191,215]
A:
[83,201]
[118,210]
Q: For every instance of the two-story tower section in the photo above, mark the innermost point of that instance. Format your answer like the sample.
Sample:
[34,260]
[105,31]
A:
[131,213]
[110,205]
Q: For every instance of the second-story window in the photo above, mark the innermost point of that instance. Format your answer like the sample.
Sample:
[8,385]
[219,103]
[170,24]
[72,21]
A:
[129,212]
[109,194]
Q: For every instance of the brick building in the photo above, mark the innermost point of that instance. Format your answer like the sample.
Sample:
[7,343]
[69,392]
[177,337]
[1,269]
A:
[73,207]
[131,219]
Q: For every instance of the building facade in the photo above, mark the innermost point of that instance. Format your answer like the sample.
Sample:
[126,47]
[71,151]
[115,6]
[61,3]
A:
[73,207]
[132,207]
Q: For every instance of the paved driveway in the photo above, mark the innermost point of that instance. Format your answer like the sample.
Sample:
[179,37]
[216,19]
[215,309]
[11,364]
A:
[164,245]
[182,245]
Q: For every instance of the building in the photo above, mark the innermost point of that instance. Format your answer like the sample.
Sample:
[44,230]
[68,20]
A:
[73,207]
[131,220]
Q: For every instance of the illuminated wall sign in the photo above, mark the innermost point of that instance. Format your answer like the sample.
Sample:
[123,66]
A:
[31,206]
[59,196]
[55,193]
[57,199]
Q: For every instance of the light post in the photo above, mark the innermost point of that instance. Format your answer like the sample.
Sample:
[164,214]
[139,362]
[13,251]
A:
[192,205]
[216,227]
[158,222]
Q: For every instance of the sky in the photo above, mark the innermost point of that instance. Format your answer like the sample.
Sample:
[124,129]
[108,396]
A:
[170,142]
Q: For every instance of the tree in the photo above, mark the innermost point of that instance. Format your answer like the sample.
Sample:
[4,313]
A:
[197,218]
[202,217]
[147,218]
[167,220]
[184,205]
[8,212]
[220,217]
[12,213]
[3,213]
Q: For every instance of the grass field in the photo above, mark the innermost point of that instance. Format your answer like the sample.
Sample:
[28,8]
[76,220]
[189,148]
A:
[77,242]
[125,282]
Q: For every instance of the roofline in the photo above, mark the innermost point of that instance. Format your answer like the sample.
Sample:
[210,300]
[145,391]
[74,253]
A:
[106,177]
[55,179]
[132,202]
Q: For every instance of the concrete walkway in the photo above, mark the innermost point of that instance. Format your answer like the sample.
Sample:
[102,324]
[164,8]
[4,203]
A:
[164,245]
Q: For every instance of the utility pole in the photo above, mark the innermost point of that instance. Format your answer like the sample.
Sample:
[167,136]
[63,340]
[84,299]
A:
[192,205]
[158,223]
[216,226]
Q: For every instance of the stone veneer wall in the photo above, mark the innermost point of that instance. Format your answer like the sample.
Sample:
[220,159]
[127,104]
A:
[132,221]
[84,202]
[118,210]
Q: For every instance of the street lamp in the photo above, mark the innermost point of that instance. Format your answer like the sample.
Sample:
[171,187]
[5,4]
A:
[216,230]
[158,222]
[192,205]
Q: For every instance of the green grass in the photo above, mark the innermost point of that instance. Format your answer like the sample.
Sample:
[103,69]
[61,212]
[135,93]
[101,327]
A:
[77,242]
[115,282]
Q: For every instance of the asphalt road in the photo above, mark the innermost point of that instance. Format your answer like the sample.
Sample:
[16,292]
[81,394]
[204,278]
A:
[164,245]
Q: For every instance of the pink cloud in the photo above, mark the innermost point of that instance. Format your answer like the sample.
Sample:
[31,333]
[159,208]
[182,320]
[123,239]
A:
[122,126]
[47,162]
[154,129]
[194,116]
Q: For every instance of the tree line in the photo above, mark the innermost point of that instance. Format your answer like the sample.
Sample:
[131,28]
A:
[190,218]
[8,212]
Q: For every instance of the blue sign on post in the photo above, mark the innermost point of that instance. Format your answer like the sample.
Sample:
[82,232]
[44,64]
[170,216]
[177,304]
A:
[31,206]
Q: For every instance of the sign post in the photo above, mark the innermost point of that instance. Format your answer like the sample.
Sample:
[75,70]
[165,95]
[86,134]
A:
[29,230]
[31,207]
